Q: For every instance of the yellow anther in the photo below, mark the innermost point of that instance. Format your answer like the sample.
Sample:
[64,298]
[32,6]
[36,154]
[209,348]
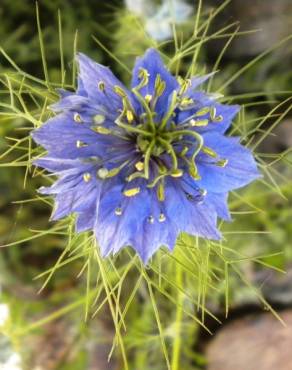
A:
[159,86]
[160,192]
[118,90]
[193,171]
[213,113]
[98,119]
[102,130]
[162,217]
[130,116]
[113,172]
[176,173]
[77,118]
[199,123]
[101,86]
[80,144]
[87,177]
[222,163]
[148,98]
[185,84]
[218,119]
[102,173]
[143,73]
[210,152]
[202,111]
[118,211]
[139,166]
[150,219]
[203,192]
[186,101]
[131,192]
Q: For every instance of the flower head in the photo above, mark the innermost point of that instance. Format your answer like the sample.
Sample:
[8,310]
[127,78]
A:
[140,166]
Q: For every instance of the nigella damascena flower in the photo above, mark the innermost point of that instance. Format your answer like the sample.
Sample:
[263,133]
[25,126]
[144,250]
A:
[140,166]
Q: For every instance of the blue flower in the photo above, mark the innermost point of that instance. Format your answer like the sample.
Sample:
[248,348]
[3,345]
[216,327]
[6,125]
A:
[140,166]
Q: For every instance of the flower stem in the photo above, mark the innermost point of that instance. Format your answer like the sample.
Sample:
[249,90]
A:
[175,362]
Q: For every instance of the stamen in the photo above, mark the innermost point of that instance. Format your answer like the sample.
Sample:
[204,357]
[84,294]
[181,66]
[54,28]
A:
[199,123]
[222,163]
[218,119]
[161,192]
[102,130]
[118,211]
[102,173]
[87,177]
[118,90]
[134,176]
[176,173]
[80,144]
[139,166]
[113,172]
[209,151]
[77,118]
[159,86]
[186,102]
[203,111]
[162,217]
[185,84]
[193,171]
[213,113]
[184,151]
[150,219]
[131,192]
[148,98]
[101,86]
[98,119]
[130,116]
[203,192]
[144,77]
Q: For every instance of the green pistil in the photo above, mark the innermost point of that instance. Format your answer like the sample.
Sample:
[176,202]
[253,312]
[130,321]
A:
[147,158]
[169,150]
[171,109]
[149,113]
[194,134]
[154,139]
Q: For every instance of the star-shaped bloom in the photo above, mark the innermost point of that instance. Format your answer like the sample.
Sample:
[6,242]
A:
[139,166]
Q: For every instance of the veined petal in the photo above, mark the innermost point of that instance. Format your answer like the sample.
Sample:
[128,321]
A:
[240,169]
[153,64]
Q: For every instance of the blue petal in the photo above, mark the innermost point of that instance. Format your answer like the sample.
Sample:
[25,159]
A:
[92,74]
[152,62]
[240,170]
[201,100]
[61,133]
[219,202]
[191,216]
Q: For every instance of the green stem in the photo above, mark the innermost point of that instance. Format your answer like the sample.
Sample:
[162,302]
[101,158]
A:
[175,363]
